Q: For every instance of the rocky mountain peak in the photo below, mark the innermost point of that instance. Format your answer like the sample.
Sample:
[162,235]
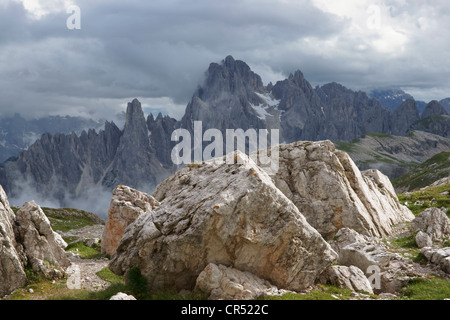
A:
[434,108]
[231,76]
[134,114]
[404,116]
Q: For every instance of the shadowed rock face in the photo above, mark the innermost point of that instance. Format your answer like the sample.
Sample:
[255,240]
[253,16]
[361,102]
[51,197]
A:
[404,116]
[230,214]
[434,108]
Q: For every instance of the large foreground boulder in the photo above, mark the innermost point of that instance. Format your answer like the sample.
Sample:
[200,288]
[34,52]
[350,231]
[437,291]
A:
[43,247]
[226,214]
[331,192]
[126,205]
[12,259]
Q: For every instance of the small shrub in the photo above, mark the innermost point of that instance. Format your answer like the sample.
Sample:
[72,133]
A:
[137,282]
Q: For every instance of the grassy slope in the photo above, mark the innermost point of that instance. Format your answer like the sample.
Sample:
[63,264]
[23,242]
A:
[425,174]
[420,200]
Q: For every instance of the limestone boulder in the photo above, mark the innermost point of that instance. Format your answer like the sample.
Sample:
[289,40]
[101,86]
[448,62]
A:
[331,192]
[12,259]
[43,247]
[122,297]
[126,206]
[351,278]
[228,214]
[423,240]
[388,272]
[433,222]
[223,283]
[438,257]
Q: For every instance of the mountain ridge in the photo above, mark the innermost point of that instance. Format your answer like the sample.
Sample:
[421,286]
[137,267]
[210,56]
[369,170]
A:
[232,97]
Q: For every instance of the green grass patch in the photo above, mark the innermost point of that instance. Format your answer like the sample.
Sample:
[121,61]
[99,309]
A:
[425,174]
[418,201]
[407,246]
[65,224]
[427,289]
[109,276]
[84,251]
[344,146]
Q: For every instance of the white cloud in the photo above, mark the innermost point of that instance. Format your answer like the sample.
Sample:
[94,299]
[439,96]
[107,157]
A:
[40,8]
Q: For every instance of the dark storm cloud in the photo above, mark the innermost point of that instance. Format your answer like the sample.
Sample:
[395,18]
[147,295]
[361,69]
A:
[158,51]
[147,49]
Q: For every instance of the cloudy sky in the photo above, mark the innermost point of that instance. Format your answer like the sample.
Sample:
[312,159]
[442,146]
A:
[158,50]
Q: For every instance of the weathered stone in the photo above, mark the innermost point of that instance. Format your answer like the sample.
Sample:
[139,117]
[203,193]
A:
[12,259]
[42,246]
[423,240]
[387,271]
[230,214]
[122,296]
[331,192]
[438,257]
[351,278]
[434,222]
[345,237]
[126,206]
[223,283]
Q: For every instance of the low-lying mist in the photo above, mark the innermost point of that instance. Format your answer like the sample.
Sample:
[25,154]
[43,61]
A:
[94,199]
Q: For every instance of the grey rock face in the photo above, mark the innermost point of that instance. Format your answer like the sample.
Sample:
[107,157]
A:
[435,119]
[12,259]
[17,133]
[390,97]
[135,163]
[43,247]
[352,114]
[303,116]
[224,101]
[62,163]
[404,116]
[62,166]
[160,133]
[434,108]
[230,214]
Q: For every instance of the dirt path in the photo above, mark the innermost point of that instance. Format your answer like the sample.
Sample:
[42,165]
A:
[83,274]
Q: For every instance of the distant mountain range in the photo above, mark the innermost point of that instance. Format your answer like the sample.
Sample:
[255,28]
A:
[17,133]
[67,166]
